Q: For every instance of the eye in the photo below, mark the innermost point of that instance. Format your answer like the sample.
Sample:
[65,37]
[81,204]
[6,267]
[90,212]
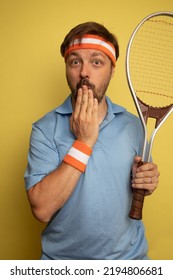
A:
[97,62]
[74,62]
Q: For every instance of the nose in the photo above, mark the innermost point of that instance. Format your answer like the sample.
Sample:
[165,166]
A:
[85,71]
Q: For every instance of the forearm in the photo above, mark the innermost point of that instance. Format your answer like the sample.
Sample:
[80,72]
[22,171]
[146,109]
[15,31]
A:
[50,194]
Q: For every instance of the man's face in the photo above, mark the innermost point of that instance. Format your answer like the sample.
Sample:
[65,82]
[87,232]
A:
[90,67]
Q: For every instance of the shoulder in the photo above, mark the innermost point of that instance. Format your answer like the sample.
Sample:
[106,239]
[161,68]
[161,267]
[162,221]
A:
[49,121]
[132,118]
[132,123]
[127,121]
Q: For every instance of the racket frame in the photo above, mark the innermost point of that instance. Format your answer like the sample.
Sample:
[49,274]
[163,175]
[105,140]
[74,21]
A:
[146,152]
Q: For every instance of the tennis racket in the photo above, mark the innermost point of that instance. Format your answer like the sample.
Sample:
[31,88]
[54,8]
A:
[149,69]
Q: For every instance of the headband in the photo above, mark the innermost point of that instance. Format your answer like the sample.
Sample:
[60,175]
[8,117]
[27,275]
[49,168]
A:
[90,41]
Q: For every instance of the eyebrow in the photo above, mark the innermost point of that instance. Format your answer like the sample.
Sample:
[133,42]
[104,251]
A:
[73,54]
[98,53]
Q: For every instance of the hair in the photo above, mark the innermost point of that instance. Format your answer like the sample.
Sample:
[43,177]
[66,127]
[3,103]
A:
[89,28]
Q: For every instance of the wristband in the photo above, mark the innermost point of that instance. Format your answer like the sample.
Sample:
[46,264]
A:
[78,155]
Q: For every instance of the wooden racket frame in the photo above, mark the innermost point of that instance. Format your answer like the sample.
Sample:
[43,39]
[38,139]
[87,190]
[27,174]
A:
[145,111]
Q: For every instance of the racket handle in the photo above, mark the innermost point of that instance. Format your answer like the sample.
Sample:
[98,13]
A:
[137,202]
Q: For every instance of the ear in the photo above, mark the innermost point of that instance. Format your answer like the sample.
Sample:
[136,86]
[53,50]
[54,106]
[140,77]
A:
[112,71]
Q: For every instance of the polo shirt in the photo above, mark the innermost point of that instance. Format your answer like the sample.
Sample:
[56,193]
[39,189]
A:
[94,222]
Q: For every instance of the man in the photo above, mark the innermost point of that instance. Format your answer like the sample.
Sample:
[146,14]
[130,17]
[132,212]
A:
[81,157]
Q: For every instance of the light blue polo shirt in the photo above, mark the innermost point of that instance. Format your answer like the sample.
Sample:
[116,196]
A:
[94,222]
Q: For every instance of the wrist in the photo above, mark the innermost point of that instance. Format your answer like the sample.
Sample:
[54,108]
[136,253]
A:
[78,155]
[89,143]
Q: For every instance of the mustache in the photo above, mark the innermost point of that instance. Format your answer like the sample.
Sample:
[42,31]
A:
[85,82]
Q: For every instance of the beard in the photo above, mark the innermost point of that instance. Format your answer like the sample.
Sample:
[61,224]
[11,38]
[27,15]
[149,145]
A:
[98,94]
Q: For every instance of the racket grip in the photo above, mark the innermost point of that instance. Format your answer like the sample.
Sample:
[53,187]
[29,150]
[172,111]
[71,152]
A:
[137,202]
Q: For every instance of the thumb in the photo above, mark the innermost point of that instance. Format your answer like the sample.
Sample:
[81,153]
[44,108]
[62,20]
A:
[136,161]
[72,125]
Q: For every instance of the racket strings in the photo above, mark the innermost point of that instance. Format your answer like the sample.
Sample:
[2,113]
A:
[162,21]
[156,93]
[151,62]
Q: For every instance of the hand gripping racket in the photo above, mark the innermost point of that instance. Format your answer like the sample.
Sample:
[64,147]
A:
[149,69]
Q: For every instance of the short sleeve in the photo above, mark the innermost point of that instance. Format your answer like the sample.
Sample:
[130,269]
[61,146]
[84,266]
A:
[43,157]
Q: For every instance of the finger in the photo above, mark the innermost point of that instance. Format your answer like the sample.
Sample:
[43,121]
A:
[147,174]
[137,159]
[78,104]
[147,166]
[145,186]
[71,122]
[95,110]
[84,101]
[90,103]
[145,180]
[147,192]
[146,183]
[150,188]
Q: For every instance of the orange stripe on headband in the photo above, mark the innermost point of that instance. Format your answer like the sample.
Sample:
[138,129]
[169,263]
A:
[90,41]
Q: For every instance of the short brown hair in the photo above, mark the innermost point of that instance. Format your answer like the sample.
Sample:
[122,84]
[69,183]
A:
[89,28]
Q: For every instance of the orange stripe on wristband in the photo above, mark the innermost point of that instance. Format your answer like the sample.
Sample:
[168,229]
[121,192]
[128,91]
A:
[75,163]
[82,147]
[78,155]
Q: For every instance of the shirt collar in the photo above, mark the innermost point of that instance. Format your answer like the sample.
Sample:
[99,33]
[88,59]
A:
[66,107]
[114,108]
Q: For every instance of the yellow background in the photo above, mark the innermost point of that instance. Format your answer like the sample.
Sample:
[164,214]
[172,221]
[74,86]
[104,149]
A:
[32,82]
